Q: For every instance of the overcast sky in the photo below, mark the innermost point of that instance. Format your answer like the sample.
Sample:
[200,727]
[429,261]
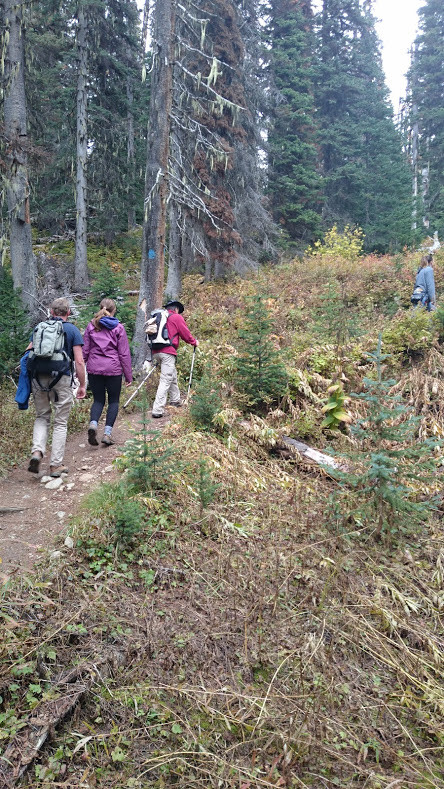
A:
[397,30]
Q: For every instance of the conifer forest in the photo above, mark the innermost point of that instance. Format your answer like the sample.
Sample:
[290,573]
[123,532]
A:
[247,590]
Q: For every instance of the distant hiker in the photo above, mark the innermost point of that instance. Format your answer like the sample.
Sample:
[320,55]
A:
[424,292]
[107,355]
[55,346]
[165,353]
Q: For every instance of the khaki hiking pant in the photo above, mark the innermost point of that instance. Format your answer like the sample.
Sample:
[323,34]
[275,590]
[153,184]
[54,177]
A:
[167,383]
[43,402]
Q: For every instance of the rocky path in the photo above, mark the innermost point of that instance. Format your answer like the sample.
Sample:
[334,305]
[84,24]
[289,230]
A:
[44,512]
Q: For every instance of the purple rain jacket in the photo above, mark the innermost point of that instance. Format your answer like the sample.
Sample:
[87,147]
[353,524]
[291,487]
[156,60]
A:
[107,352]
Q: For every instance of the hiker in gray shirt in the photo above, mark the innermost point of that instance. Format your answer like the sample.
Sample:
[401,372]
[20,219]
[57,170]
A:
[424,292]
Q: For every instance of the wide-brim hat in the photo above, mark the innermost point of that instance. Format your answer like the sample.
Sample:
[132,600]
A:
[177,304]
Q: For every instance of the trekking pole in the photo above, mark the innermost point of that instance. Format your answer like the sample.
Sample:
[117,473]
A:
[140,386]
[191,373]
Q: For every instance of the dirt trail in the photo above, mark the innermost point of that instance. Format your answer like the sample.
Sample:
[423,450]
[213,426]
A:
[24,535]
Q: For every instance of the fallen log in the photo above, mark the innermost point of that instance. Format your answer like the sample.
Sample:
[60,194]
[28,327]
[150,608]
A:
[73,685]
[312,454]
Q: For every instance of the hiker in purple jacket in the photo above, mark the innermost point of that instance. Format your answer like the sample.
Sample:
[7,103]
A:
[107,355]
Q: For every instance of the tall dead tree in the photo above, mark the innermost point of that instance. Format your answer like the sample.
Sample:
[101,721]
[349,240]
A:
[81,264]
[23,261]
[156,182]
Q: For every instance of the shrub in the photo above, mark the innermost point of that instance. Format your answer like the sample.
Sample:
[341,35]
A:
[128,519]
[409,333]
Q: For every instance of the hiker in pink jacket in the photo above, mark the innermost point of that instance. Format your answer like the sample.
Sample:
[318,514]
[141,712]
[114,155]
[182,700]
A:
[107,355]
[166,356]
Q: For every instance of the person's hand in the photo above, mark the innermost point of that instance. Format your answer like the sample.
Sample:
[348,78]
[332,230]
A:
[197,343]
[128,383]
[81,393]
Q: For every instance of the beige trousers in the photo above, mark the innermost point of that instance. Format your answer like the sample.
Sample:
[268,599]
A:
[167,383]
[61,407]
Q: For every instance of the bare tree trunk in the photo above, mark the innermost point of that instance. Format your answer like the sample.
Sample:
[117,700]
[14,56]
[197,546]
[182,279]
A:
[156,182]
[81,267]
[23,261]
[131,153]
[174,279]
[146,14]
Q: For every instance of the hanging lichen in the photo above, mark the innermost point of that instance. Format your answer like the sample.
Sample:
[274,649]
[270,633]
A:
[214,73]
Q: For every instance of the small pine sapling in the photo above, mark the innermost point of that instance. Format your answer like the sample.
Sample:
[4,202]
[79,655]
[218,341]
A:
[205,403]
[259,373]
[150,461]
[206,488]
[128,520]
[335,321]
[392,467]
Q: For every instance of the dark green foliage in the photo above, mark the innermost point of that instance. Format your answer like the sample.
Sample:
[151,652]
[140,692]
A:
[391,465]
[206,402]
[110,284]
[294,182]
[206,488]
[14,327]
[115,92]
[367,181]
[427,91]
[128,519]
[149,459]
[259,373]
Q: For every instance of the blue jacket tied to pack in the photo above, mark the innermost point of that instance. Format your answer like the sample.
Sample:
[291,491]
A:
[24,384]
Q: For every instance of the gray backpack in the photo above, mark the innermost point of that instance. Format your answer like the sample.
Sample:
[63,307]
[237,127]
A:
[48,355]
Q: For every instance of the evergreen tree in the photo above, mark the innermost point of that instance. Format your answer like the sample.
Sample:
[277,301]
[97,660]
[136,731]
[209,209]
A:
[294,181]
[367,181]
[427,96]
[259,375]
[116,113]
[390,464]
[14,331]
[206,402]
[149,459]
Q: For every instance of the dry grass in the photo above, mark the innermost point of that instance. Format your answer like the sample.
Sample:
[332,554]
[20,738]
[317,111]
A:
[265,647]
[267,651]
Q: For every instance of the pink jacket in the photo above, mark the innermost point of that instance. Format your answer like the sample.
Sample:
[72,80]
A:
[177,329]
[107,352]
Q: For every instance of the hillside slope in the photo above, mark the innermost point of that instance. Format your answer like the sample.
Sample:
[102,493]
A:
[222,621]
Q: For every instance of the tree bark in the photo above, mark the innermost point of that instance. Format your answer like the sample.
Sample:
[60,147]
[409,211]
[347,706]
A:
[23,261]
[81,267]
[131,156]
[174,278]
[156,181]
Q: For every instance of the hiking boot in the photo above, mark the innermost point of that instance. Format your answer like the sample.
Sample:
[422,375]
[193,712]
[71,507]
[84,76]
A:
[92,437]
[107,440]
[34,463]
[177,404]
[57,471]
[157,416]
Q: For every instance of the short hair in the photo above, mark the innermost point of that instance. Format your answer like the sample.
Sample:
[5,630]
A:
[60,306]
